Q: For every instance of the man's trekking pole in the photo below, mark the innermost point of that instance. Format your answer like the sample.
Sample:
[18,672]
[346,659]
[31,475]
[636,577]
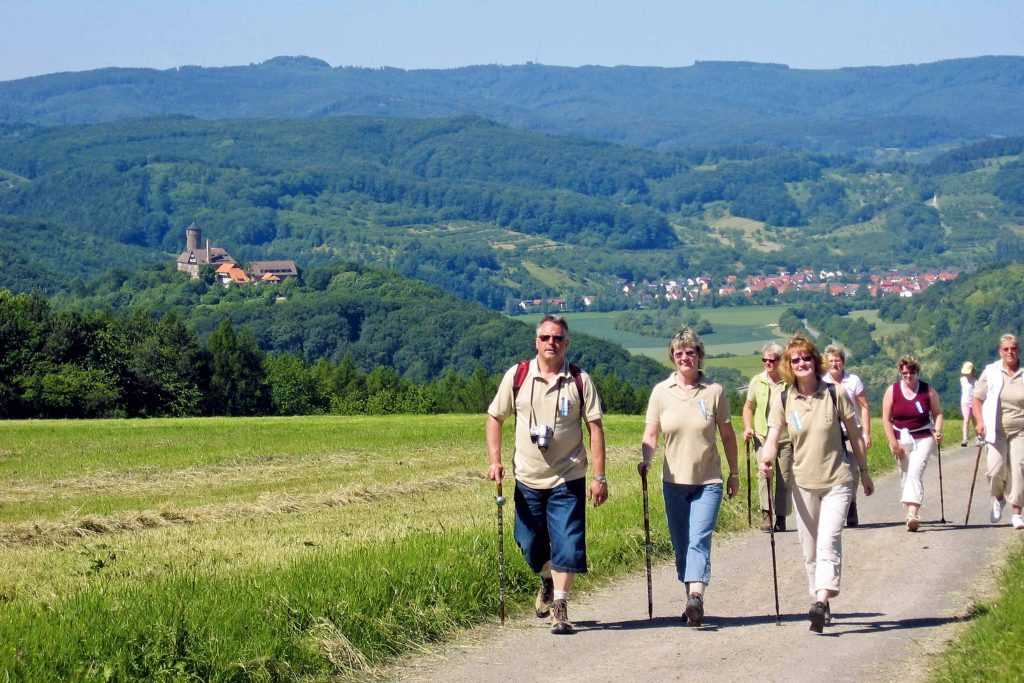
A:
[942,500]
[500,500]
[775,571]
[750,520]
[970,499]
[647,542]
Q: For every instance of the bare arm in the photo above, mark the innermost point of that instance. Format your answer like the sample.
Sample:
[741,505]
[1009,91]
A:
[648,446]
[937,419]
[769,450]
[979,421]
[495,471]
[890,431]
[748,420]
[598,490]
[865,419]
[732,484]
[857,444]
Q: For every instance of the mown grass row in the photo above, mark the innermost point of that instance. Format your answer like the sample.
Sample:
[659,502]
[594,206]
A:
[310,594]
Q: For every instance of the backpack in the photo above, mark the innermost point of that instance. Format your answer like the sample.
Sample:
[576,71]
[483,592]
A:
[524,367]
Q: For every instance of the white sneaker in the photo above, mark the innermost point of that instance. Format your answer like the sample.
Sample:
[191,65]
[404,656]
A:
[1018,522]
[997,510]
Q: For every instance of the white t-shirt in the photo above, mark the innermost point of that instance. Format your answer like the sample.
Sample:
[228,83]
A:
[854,388]
[966,390]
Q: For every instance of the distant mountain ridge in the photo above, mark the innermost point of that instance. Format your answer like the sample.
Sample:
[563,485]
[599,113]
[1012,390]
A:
[709,103]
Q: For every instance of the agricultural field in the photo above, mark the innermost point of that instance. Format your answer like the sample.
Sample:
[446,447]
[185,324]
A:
[315,548]
[739,330]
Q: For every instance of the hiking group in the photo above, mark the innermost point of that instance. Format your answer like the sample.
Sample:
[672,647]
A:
[808,419]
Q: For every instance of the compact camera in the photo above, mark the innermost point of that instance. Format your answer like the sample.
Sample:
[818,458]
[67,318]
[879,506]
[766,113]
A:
[541,435]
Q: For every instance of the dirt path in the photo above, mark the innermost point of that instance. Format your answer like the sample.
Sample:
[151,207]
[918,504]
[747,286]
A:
[903,596]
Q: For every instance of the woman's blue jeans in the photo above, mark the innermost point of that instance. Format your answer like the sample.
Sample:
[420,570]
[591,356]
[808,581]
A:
[692,511]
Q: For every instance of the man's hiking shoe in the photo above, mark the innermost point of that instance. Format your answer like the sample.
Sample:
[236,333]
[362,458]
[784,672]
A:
[694,611]
[819,614]
[766,521]
[780,523]
[997,510]
[913,522]
[560,624]
[545,594]
[852,520]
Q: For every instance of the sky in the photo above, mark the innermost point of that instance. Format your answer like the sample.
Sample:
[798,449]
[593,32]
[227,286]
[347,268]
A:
[46,36]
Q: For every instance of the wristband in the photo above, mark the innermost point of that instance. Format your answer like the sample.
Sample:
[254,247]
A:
[601,479]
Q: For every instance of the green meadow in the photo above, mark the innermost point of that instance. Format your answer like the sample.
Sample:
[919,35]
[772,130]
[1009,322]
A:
[311,548]
[739,330]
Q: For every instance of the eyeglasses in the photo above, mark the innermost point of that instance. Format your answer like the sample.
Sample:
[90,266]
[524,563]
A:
[908,373]
[769,360]
[800,359]
[1009,349]
[689,353]
[557,338]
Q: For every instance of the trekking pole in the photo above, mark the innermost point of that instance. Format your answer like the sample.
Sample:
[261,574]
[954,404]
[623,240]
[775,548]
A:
[775,571]
[942,500]
[750,520]
[647,546]
[977,461]
[500,500]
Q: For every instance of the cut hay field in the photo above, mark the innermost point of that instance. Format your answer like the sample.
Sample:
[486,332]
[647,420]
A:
[312,548]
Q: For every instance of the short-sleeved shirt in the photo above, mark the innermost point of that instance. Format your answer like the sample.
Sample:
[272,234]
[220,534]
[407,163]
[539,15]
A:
[966,390]
[819,459]
[688,418]
[1011,402]
[854,387]
[556,405]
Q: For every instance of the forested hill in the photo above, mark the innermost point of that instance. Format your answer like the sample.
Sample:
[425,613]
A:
[961,320]
[490,213]
[709,103]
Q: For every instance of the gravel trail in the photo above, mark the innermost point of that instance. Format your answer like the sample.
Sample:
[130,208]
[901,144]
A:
[904,596]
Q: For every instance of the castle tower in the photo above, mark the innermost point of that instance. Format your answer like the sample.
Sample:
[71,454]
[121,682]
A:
[193,237]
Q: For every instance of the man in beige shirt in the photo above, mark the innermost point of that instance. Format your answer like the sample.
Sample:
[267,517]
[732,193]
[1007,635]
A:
[550,463]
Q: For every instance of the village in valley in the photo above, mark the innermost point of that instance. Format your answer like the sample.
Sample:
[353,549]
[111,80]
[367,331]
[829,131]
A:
[693,289]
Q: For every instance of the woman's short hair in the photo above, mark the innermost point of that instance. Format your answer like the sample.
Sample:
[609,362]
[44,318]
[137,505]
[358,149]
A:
[1008,338]
[804,346]
[772,348]
[909,362]
[685,337]
[836,350]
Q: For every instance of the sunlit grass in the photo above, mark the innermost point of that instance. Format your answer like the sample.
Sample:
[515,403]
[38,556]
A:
[322,546]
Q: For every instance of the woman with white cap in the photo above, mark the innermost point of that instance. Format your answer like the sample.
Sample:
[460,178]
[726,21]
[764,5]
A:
[966,398]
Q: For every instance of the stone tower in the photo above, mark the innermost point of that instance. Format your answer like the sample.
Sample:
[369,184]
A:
[193,237]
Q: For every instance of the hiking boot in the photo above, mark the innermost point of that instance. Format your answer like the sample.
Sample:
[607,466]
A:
[1018,522]
[766,521]
[817,615]
[780,524]
[997,510]
[963,443]
[694,611]
[913,522]
[828,613]
[560,624]
[852,520]
[545,594]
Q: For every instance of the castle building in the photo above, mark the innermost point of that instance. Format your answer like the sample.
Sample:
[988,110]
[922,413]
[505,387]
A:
[195,255]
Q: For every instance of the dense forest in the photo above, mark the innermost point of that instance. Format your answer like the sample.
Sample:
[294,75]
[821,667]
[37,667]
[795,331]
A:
[489,213]
[707,104]
[347,339]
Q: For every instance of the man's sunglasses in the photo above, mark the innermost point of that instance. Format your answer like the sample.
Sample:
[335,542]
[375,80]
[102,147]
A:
[557,338]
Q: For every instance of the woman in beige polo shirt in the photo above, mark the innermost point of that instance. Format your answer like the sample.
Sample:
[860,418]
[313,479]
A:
[812,411]
[688,409]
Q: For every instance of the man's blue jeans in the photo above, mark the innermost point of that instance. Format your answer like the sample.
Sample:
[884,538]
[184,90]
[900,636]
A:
[551,525]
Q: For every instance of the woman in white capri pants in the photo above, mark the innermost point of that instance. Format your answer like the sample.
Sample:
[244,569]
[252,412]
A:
[812,410]
[912,418]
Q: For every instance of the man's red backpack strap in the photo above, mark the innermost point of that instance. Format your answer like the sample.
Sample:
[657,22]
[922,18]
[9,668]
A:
[524,367]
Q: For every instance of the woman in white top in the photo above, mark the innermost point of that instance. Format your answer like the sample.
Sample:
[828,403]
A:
[966,398]
[837,374]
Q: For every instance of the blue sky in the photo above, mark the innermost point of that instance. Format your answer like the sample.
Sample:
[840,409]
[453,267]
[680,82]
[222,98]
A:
[45,36]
